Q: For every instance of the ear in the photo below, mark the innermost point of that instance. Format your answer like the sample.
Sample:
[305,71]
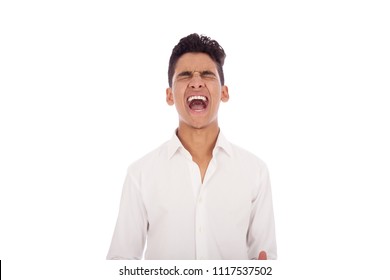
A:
[169,96]
[225,94]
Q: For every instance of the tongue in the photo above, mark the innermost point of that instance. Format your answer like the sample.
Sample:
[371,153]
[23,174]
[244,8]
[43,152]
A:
[197,105]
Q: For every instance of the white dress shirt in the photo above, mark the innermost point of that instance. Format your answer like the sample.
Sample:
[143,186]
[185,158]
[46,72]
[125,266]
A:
[228,216]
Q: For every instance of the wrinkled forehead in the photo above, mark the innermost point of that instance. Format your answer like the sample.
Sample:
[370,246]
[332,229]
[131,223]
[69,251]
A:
[195,62]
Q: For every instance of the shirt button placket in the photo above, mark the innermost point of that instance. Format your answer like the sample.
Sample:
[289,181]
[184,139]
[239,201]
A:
[201,244]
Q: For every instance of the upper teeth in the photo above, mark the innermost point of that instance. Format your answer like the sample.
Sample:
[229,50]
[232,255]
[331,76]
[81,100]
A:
[197,97]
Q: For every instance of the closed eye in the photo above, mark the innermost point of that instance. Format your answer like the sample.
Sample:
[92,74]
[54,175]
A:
[184,74]
[207,74]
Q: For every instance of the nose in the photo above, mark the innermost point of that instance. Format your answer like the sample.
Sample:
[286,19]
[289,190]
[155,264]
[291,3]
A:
[196,81]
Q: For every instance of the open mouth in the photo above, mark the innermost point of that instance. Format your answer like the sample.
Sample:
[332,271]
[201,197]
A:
[197,102]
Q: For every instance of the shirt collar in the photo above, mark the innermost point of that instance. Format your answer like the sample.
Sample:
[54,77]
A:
[174,145]
[222,144]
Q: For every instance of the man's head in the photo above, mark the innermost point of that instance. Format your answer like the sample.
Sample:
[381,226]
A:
[196,81]
[195,43]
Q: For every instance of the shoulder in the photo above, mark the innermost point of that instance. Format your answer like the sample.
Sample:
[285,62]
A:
[238,153]
[246,157]
[252,168]
[149,160]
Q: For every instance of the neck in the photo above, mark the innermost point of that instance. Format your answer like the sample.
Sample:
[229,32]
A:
[200,142]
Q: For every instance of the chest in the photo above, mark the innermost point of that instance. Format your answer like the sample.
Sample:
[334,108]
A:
[224,189]
[203,165]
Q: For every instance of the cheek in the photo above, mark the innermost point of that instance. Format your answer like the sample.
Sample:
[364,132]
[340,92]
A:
[178,93]
[216,91]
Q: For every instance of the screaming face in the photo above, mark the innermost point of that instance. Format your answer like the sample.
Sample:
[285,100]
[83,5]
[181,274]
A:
[196,90]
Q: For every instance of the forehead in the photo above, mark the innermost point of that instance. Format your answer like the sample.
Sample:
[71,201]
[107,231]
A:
[195,62]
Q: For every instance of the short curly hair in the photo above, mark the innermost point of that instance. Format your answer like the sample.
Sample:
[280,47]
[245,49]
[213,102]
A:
[197,43]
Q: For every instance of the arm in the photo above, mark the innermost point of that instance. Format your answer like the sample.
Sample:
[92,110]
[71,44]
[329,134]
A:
[261,233]
[129,236]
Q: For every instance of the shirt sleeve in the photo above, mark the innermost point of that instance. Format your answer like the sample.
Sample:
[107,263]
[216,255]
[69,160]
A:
[261,231]
[129,236]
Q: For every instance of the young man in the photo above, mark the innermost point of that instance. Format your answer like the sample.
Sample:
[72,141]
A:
[197,196]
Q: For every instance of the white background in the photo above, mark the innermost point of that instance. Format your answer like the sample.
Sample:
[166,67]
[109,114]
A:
[82,87]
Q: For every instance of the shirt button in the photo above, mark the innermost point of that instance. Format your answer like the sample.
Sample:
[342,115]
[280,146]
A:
[200,229]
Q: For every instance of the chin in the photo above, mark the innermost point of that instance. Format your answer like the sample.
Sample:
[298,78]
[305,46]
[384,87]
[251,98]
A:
[199,127]
[196,125]
[202,125]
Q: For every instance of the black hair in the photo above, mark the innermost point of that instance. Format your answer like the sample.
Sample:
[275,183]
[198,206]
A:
[197,43]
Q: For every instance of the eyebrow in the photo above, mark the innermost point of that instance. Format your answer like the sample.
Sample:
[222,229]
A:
[185,74]
[190,73]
